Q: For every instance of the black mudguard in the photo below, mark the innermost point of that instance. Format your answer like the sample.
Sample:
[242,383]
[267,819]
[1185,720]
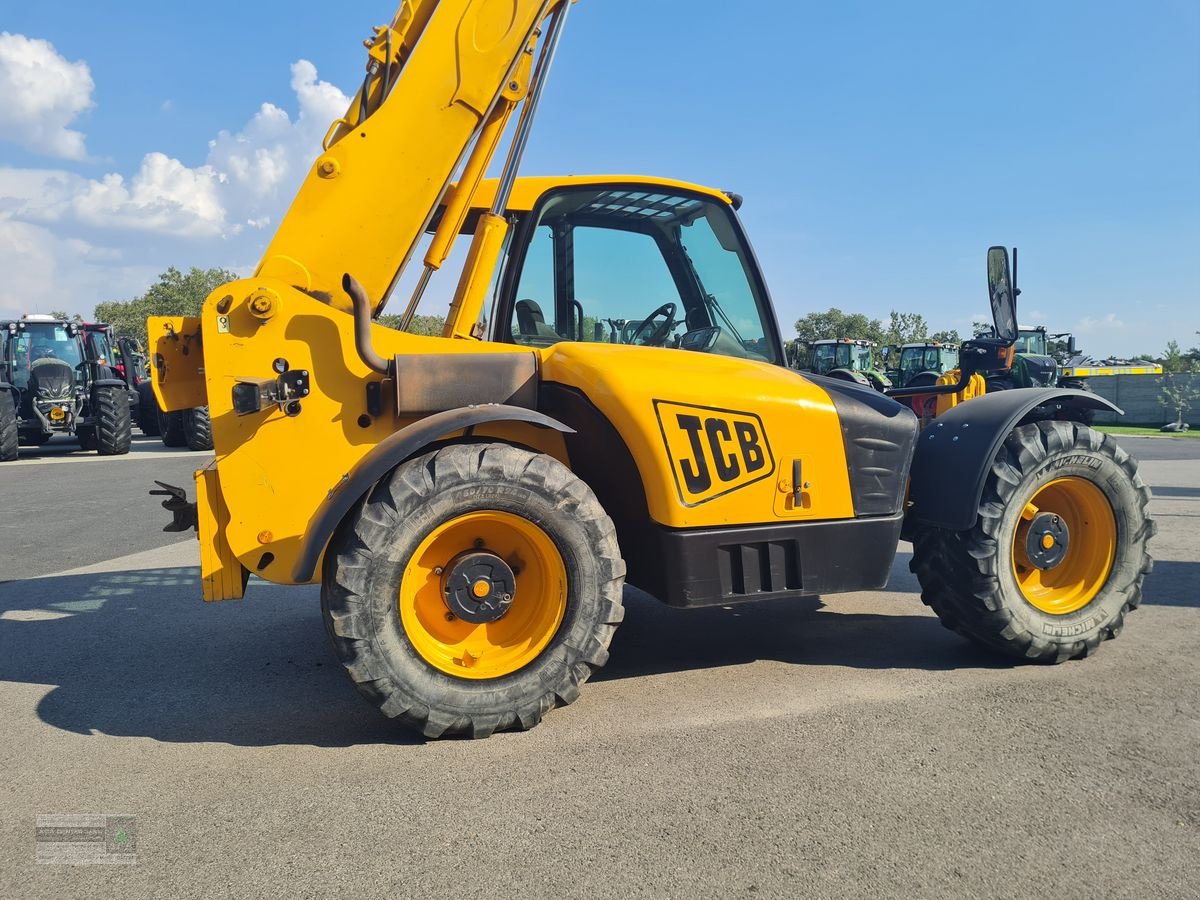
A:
[388,454]
[956,450]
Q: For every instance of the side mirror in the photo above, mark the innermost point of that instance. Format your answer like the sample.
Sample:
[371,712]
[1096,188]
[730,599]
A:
[1003,293]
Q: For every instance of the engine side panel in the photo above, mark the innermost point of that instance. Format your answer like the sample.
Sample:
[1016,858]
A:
[716,441]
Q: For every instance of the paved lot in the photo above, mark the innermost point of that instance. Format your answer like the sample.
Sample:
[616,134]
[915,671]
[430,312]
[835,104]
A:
[851,748]
[62,507]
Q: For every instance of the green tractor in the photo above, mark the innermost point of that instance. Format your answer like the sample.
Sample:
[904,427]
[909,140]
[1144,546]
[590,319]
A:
[52,382]
[922,363]
[845,359]
[1033,364]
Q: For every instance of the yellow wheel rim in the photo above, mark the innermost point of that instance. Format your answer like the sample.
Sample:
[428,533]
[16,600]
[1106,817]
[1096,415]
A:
[491,649]
[1074,582]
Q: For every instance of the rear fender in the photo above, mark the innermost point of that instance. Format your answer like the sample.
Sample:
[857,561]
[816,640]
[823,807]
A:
[389,453]
[955,452]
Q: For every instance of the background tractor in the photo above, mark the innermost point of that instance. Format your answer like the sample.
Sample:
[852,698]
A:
[51,383]
[922,362]
[845,359]
[473,504]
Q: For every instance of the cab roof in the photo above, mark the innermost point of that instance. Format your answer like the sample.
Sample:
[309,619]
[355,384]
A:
[526,190]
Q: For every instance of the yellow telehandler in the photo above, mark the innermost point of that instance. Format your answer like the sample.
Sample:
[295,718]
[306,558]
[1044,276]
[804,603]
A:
[472,504]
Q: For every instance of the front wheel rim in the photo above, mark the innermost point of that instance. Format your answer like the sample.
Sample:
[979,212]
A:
[1078,578]
[489,649]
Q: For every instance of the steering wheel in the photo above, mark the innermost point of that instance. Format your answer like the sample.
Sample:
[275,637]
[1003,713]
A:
[651,335]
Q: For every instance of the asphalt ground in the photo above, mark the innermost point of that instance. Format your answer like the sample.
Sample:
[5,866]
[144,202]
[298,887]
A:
[62,507]
[848,747]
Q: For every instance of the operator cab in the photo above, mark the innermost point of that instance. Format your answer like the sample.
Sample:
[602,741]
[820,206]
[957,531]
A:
[33,340]
[687,277]
[845,354]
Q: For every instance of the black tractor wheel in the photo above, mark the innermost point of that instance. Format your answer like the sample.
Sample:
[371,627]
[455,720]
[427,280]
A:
[86,435]
[148,410]
[477,588]
[110,406]
[1057,556]
[170,426]
[9,440]
[197,428]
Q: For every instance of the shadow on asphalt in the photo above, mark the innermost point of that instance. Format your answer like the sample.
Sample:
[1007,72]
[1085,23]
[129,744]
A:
[136,653]
[1172,583]
[1173,491]
[66,446]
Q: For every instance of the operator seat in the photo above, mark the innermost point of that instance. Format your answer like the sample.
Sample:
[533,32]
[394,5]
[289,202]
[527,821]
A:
[532,324]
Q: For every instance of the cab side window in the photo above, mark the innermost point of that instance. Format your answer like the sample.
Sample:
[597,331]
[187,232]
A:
[535,294]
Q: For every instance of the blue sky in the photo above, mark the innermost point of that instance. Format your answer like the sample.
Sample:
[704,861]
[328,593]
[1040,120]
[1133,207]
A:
[880,148]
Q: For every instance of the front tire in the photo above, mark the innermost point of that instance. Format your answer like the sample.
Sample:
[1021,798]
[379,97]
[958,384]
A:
[113,431]
[148,410]
[1057,556]
[197,428]
[9,439]
[170,426]
[391,588]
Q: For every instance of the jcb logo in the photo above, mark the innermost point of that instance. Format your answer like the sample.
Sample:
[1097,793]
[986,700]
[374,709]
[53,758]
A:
[712,451]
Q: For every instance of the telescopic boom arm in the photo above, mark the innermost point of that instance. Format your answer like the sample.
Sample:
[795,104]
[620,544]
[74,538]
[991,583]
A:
[442,82]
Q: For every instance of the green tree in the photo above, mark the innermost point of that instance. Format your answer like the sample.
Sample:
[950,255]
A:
[833,323]
[174,294]
[1193,356]
[947,336]
[1174,361]
[1178,393]
[430,326]
[904,328]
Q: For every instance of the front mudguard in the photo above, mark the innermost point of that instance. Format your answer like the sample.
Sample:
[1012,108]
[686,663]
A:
[389,453]
[955,452]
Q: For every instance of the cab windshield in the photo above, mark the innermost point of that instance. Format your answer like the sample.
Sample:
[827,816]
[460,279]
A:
[38,341]
[640,267]
[1031,342]
[914,360]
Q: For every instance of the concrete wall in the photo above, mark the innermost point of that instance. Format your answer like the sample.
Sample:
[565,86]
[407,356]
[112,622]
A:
[1139,396]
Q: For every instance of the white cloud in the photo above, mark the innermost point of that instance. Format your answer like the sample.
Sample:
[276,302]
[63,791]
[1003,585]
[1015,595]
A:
[68,242]
[1088,325]
[41,93]
[247,179]
[264,162]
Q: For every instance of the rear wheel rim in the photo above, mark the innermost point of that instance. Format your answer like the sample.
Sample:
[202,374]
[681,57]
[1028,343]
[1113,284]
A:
[489,649]
[1084,569]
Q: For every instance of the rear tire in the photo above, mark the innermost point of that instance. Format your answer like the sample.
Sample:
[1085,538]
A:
[148,410]
[197,428]
[86,435]
[170,426]
[401,656]
[114,431]
[9,440]
[979,582]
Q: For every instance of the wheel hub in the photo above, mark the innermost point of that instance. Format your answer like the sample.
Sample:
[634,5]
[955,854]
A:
[479,587]
[1047,541]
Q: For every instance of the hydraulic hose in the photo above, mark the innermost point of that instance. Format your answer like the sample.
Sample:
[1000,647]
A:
[362,326]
